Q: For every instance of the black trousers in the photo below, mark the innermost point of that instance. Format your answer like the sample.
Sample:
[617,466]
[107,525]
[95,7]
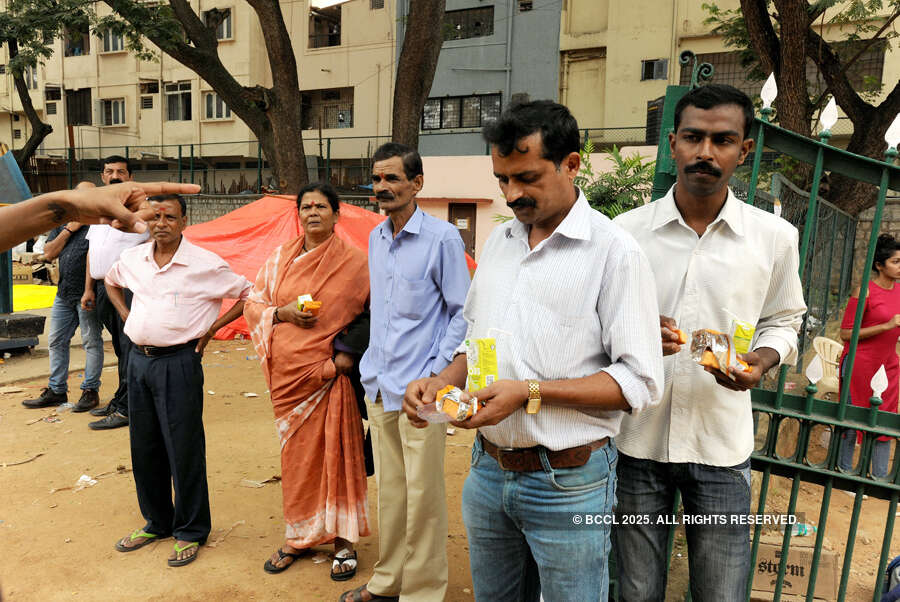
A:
[168,446]
[110,319]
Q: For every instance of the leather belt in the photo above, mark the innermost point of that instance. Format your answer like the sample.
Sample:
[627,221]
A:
[528,459]
[152,351]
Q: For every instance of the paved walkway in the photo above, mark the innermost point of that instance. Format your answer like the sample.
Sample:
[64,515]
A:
[21,366]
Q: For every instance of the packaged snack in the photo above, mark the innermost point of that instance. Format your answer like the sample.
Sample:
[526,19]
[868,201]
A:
[714,349]
[481,363]
[682,336]
[448,405]
[306,303]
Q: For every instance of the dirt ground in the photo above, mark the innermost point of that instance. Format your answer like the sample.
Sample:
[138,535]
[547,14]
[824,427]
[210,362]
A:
[57,541]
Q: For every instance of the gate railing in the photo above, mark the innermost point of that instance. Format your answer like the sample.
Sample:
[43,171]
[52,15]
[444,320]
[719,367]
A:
[790,427]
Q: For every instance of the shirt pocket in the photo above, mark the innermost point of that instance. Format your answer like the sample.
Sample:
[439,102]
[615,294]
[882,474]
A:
[413,298]
[558,344]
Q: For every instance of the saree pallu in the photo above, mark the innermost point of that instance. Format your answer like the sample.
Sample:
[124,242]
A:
[316,415]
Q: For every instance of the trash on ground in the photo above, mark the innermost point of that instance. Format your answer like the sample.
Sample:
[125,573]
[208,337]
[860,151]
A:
[250,395]
[84,481]
[253,357]
[5,390]
[240,348]
[52,418]
[222,537]
[255,484]
[451,431]
[320,558]
[65,407]
[210,392]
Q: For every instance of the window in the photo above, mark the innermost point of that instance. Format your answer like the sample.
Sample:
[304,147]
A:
[146,102]
[655,69]
[78,107]
[329,109]
[178,101]
[525,5]
[468,23]
[221,20]
[460,111]
[375,4]
[77,41]
[215,107]
[51,108]
[325,27]
[30,75]
[16,117]
[112,112]
[112,42]
[52,93]
[2,69]
[17,134]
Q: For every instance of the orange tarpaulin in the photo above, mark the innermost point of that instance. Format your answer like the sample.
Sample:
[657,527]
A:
[247,236]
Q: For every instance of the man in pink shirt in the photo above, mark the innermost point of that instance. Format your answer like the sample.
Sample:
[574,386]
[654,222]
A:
[178,291]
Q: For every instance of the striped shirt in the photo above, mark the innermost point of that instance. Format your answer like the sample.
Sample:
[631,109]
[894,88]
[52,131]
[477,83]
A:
[582,301]
[745,264]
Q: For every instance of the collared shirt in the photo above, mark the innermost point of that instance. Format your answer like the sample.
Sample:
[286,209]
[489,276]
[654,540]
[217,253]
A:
[71,263]
[582,301]
[178,302]
[107,244]
[419,280]
[746,263]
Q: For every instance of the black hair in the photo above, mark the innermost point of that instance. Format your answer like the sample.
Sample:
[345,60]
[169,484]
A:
[116,159]
[159,198]
[715,95]
[412,160]
[558,128]
[326,189]
[885,248]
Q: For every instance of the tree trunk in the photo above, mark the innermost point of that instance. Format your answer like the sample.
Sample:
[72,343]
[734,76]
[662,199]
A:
[39,129]
[415,69]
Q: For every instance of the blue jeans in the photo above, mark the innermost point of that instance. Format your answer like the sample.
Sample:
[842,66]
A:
[65,317]
[881,454]
[523,538]
[718,555]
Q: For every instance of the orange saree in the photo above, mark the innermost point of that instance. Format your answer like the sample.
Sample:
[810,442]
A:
[323,476]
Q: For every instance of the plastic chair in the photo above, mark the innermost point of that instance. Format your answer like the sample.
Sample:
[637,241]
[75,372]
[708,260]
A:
[829,351]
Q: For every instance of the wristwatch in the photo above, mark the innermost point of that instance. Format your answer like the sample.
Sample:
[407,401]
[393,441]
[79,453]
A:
[533,405]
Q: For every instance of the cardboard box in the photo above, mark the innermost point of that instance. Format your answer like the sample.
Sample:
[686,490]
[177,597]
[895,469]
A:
[796,576]
[21,273]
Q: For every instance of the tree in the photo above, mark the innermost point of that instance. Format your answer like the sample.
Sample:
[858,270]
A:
[271,113]
[416,67]
[781,41]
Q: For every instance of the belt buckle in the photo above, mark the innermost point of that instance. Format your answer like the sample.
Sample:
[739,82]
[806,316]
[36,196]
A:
[501,453]
[148,350]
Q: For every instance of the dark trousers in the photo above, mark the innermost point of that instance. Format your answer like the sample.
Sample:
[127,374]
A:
[168,447]
[110,318]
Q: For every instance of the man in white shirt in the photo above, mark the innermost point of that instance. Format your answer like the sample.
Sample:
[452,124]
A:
[570,301]
[715,259]
[105,245]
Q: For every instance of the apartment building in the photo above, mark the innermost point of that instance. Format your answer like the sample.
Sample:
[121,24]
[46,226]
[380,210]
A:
[157,112]
[618,56]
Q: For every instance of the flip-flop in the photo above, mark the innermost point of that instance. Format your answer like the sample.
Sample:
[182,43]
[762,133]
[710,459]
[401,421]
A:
[189,559]
[345,556]
[357,595]
[146,538]
[274,570]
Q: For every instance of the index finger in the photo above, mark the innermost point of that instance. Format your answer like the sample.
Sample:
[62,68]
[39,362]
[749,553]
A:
[152,188]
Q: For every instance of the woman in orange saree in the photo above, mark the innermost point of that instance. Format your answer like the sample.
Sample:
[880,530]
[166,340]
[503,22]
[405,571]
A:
[323,476]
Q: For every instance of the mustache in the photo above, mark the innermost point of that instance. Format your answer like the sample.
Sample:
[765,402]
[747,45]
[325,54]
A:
[384,196]
[115,181]
[703,167]
[525,202]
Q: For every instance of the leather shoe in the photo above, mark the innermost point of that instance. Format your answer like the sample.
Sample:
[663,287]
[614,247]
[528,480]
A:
[103,410]
[113,421]
[47,398]
[89,399]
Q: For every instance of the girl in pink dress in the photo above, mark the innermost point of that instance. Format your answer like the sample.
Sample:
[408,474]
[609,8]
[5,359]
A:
[877,346]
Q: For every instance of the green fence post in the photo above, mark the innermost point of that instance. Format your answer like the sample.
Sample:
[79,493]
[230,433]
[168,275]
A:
[126,152]
[69,157]
[192,164]
[179,165]
[258,167]
[328,161]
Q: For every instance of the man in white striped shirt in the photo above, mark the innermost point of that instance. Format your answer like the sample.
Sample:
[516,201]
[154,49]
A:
[570,299]
[715,258]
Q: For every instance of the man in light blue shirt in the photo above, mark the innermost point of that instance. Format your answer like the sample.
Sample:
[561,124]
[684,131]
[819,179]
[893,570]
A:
[419,280]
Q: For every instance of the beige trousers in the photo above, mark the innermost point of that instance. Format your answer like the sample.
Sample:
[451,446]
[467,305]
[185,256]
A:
[412,507]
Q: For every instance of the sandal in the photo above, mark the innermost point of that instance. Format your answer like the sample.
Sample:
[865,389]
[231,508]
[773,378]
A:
[357,595]
[146,538]
[269,567]
[345,556]
[178,550]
